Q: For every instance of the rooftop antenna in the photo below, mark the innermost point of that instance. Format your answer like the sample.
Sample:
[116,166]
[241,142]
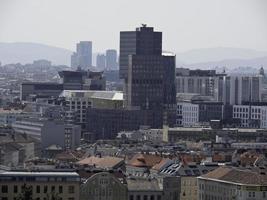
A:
[143,25]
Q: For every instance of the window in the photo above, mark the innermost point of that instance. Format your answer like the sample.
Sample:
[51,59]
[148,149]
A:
[15,189]
[131,197]
[71,189]
[138,197]
[159,197]
[38,189]
[60,189]
[145,197]
[4,189]
[53,188]
[45,189]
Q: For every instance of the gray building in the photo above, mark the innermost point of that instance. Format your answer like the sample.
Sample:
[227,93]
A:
[237,90]
[74,60]
[203,82]
[82,80]
[111,59]
[29,89]
[233,183]
[101,61]
[84,54]
[104,186]
[50,132]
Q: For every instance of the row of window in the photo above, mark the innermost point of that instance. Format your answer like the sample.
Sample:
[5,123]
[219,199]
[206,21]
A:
[145,197]
[38,189]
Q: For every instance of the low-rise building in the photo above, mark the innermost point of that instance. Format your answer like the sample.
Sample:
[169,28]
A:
[104,186]
[232,183]
[50,132]
[188,174]
[39,185]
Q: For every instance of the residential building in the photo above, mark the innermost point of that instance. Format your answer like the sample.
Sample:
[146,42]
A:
[188,173]
[232,183]
[104,186]
[39,185]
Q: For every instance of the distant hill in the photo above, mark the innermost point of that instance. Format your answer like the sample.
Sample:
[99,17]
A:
[28,52]
[217,54]
[198,58]
[232,64]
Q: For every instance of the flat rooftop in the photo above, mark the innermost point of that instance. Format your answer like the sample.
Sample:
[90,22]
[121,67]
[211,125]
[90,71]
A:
[94,94]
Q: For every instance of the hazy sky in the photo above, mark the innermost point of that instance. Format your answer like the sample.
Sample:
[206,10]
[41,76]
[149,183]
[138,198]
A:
[186,24]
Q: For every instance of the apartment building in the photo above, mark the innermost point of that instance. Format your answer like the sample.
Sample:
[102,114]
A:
[232,183]
[39,185]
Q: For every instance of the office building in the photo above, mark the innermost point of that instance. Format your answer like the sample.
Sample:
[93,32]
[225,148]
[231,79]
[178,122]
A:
[232,183]
[187,114]
[250,116]
[150,83]
[84,54]
[143,41]
[30,89]
[101,61]
[111,60]
[237,90]
[77,101]
[106,123]
[50,132]
[202,82]
[149,75]
[82,80]
[39,185]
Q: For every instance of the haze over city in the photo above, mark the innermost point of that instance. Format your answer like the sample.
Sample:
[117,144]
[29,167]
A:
[133,100]
[187,24]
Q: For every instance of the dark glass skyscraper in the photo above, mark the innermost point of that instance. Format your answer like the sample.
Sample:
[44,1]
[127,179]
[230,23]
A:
[149,75]
[143,41]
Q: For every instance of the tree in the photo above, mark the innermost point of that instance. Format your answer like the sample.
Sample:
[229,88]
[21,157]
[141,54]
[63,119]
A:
[26,193]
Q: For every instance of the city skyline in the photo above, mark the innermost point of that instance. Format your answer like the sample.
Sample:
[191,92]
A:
[188,25]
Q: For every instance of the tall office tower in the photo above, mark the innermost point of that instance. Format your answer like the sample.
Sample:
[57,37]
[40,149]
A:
[237,90]
[101,61]
[111,59]
[149,75]
[84,54]
[74,60]
[143,41]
